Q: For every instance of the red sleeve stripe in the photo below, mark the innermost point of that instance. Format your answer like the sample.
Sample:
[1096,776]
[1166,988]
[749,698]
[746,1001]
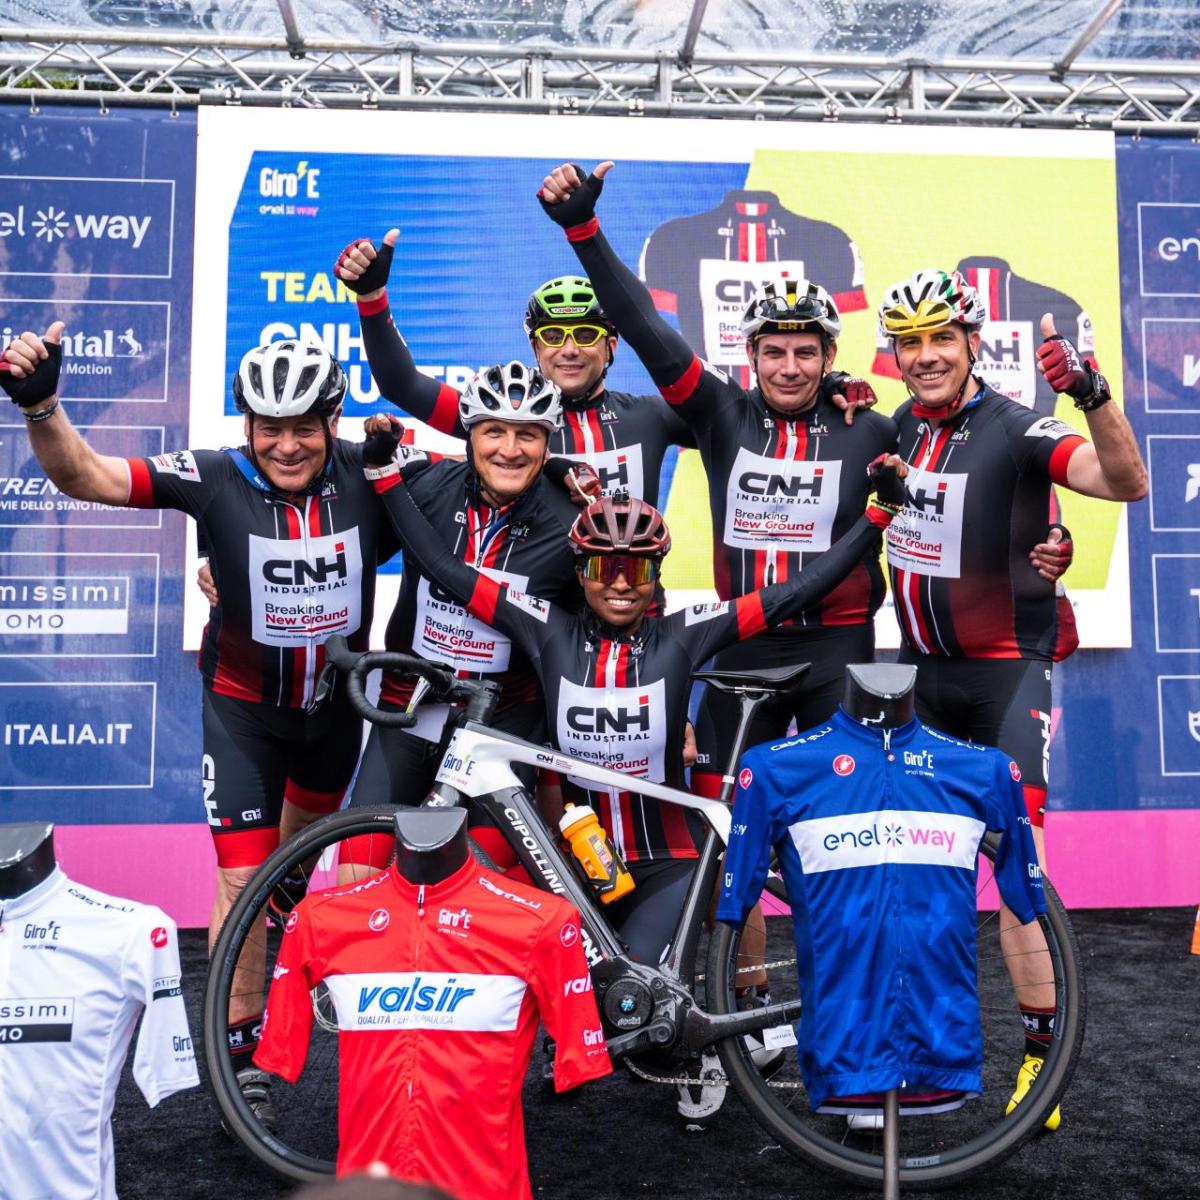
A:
[484,599]
[141,493]
[1062,456]
[851,301]
[878,517]
[665,302]
[685,385]
[386,483]
[750,617]
[444,417]
[368,308]
[581,233]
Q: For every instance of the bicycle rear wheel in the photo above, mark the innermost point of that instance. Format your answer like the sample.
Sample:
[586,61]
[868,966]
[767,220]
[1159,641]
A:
[305,1144]
[936,1150]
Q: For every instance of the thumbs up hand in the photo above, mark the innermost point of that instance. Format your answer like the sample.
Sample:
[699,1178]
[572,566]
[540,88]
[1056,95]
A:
[1066,371]
[29,366]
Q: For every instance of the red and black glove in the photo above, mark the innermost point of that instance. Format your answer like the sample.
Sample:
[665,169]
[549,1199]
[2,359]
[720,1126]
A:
[375,276]
[1067,372]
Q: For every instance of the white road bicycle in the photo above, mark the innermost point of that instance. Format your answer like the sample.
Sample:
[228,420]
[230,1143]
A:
[657,1019]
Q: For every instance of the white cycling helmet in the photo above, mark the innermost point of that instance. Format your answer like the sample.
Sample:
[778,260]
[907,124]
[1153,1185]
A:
[511,392]
[930,299]
[289,379]
[791,306]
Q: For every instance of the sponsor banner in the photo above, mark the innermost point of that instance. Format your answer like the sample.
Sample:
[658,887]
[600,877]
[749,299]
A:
[454,1002]
[1171,364]
[1168,248]
[75,225]
[1179,724]
[77,736]
[1176,603]
[285,191]
[72,604]
[890,836]
[99,707]
[1173,461]
[110,351]
[28,499]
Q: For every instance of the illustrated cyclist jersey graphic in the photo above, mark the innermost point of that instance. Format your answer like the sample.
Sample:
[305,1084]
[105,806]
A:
[290,571]
[623,437]
[77,970]
[438,991]
[524,544]
[1010,337]
[705,268]
[621,700]
[877,845]
[979,493]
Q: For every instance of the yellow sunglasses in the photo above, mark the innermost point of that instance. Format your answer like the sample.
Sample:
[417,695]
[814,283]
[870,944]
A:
[581,335]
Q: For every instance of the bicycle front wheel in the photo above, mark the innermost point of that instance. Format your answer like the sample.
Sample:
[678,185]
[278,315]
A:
[304,1146]
[936,1150]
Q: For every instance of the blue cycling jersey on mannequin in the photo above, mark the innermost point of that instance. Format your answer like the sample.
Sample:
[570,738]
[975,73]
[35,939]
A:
[877,832]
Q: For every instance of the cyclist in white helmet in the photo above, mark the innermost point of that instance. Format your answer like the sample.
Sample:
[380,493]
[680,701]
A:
[497,512]
[294,534]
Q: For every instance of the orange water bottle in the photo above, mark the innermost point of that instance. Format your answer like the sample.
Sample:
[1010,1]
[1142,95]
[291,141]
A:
[601,863]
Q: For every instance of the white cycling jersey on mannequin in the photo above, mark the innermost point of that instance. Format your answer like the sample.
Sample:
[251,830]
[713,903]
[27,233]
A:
[77,969]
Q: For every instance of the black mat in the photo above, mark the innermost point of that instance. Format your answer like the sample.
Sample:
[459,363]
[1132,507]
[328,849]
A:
[1131,1126]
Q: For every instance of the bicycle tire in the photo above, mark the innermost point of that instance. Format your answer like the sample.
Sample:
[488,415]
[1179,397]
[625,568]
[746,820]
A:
[305,1146]
[815,1138]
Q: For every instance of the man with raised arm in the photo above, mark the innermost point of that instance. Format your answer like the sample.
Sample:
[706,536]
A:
[294,534]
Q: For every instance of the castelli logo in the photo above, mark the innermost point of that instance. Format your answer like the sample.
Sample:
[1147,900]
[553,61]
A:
[568,935]
[1014,771]
[843,765]
[378,920]
[746,778]
[293,919]
[158,937]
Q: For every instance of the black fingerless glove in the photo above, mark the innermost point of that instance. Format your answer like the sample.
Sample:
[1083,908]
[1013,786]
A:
[375,276]
[380,448]
[890,491]
[41,385]
[580,206]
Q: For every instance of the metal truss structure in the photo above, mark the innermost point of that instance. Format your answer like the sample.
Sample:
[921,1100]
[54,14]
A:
[39,66]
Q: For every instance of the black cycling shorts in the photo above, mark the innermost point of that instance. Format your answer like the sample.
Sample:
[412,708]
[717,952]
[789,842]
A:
[256,756]
[829,650]
[1003,702]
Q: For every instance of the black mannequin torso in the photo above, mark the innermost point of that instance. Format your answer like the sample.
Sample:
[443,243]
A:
[431,843]
[880,694]
[26,857]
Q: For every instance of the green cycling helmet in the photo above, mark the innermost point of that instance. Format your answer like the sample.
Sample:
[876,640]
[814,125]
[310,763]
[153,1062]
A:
[569,299]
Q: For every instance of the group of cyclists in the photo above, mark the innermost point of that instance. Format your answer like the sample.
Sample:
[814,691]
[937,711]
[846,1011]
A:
[526,568]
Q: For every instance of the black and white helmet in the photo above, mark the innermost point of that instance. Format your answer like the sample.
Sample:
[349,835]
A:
[791,306]
[289,379]
[511,392]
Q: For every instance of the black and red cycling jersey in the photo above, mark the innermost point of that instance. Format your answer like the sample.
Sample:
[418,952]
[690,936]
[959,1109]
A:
[623,437]
[703,268]
[979,490]
[291,571]
[523,543]
[782,488]
[1011,336]
[620,699]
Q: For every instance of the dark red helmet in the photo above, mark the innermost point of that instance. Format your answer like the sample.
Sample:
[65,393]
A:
[620,526]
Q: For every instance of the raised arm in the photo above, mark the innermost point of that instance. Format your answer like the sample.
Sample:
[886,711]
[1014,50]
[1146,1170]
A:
[570,200]
[29,371]
[364,269]
[1110,466]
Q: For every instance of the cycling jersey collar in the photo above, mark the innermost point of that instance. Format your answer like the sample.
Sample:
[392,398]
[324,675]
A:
[322,485]
[30,901]
[922,413]
[434,891]
[874,734]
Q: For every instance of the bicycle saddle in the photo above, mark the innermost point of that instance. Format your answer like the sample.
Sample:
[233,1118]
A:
[766,679]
